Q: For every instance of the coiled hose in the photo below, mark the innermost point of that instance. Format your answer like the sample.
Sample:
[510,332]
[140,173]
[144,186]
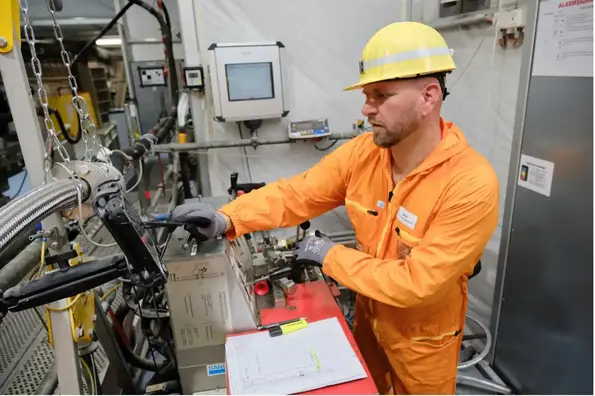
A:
[36,205]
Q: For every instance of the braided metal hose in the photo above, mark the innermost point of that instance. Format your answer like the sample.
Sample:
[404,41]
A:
[37,204]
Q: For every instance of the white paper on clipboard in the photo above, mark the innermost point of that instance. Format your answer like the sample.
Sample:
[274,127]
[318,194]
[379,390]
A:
[564,39]
[315,357]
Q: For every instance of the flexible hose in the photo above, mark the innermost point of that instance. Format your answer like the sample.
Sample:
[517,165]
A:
[17,268]
[103,32]
[169,50]
[34,206]
[129,355]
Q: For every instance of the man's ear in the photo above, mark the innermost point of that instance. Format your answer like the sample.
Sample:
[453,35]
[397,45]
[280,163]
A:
[432,96]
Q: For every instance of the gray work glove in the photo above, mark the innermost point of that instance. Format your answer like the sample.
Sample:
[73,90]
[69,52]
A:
[202,218]
[312,249]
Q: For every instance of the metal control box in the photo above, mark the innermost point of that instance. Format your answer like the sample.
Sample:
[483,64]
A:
[247,81]
[208,299]
[153,76]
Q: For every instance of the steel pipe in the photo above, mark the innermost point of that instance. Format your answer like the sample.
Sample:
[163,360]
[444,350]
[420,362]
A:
[198,146]
[486,349]
[340,234]
[160,189]
[36,205]
[483,384]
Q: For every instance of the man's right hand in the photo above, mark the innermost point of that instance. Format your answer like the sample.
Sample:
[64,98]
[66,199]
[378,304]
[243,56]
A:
[208,222]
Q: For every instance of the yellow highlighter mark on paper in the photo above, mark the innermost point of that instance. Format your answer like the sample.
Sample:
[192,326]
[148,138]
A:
[318,366]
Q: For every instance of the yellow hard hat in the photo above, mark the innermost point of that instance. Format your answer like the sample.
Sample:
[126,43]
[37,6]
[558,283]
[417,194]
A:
[403,50]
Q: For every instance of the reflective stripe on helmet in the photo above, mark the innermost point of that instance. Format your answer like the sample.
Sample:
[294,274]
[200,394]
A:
[403,56]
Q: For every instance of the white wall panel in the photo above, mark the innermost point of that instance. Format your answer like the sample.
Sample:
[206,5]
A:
[323,44]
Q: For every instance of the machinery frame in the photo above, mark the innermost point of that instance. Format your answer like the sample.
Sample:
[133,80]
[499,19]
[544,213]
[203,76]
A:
[28,129]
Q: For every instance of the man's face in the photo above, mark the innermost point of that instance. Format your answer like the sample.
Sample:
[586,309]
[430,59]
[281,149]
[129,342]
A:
[393,110]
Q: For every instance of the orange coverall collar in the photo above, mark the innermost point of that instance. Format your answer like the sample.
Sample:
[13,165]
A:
[453,142]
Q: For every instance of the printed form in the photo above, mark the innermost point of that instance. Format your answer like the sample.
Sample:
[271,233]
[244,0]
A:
[564,39]
[315,357]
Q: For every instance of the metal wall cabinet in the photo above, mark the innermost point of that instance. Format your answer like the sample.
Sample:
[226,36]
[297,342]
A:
[543,309]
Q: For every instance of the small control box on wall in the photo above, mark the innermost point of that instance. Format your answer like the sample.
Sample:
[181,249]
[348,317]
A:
[152,76]
[194,78]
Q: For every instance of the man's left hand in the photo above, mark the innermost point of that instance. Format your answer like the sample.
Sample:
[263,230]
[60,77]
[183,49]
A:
[312,250]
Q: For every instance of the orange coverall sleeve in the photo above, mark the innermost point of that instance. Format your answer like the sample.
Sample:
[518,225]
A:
[450,248]
[289,202]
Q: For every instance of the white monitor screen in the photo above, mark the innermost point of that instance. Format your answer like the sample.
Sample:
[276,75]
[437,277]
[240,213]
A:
[249,81]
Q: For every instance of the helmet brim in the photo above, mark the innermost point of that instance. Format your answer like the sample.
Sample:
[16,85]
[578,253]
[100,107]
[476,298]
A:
[354,87]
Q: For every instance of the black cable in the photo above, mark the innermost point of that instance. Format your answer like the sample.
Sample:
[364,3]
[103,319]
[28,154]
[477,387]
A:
[175,361]
[171,62]
[151,347]
[67,136]
[129,355]
[166,14]
[21,186]
[141,314]
[327,147]
[471,59]
[103,32]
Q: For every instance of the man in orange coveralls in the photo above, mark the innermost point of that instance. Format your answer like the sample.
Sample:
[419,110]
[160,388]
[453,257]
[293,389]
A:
[422,202]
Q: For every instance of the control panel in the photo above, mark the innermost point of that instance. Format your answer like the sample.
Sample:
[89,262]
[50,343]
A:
[308,129]
[193,76]
[152,76]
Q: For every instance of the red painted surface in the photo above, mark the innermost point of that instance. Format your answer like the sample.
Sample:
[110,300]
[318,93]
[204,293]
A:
[314,301]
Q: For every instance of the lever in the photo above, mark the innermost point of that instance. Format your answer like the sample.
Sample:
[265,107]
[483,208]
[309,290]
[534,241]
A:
[63,283]
[276,274]
[245,187]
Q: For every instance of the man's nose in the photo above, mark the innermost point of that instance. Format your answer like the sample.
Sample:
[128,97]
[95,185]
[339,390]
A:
[368,110]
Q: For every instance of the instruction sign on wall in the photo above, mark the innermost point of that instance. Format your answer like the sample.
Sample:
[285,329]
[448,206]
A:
[564,39]
[536,174]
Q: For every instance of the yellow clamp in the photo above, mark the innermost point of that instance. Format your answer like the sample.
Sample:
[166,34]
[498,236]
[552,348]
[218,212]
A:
[9,23]
[81,308]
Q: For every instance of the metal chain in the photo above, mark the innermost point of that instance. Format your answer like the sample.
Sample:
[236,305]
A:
[42,95]
[80,105]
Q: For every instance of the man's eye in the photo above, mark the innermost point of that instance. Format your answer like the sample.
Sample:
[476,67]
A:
[378,96]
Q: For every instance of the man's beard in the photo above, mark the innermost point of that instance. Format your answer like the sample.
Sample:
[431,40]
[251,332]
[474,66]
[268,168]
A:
[405,127]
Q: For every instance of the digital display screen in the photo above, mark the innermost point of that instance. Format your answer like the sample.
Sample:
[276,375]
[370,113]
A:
[249,81]
[309,125]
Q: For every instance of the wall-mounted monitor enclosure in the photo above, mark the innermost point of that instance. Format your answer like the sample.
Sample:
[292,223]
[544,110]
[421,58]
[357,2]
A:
[247,81]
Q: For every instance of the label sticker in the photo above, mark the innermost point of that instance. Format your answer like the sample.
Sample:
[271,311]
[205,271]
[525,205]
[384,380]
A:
[406,217]
[215,369]
[536,174]
[380,204]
